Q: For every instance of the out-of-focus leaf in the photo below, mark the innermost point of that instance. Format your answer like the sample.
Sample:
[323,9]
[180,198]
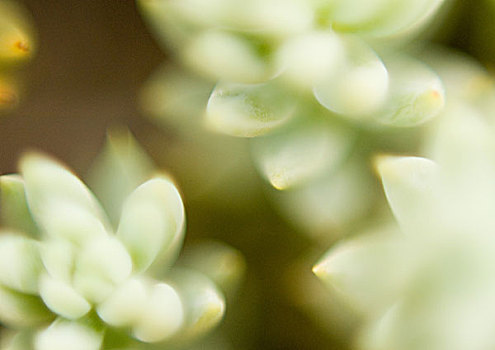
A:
[152,222]
[248,110]
[14,211]
[62,335]
[101,262]
[224,56]
[62,298]
[359,87]
[162,315]
[330,203]
[307,59]
[302,151]
[223,264]
[204,303]
[20,263]
[124,306]
[21,310]
[409,184]
[370,271]
[47,181]
[416,94]
[119,169]
[382,18]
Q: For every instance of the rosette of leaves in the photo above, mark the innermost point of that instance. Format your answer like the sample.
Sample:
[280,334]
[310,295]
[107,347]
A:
[302,81]
[317,48]
[428,283]
[17,45]
[71,279]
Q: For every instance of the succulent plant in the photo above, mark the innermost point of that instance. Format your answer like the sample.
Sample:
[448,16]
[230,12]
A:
[316,86]
[431,285]
[70,279]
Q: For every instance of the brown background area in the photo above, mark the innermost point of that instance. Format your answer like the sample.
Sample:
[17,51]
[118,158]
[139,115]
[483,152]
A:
[93,56]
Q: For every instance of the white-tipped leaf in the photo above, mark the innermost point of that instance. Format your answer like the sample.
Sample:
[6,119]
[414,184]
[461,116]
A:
[63,335]
[67,220]
[58,258]
[331,203]
[416,94]
[102,262]
[152,222]
[20,263]
[306,59]
[62,298]
[248,110]
[409,184]
[14,211]
[204,304]
[300,152]
[369,271]
[381,18]
[162,315]
[359,86]
[124,306]
[22,310]
[120,168]
[225,56]
[48,181]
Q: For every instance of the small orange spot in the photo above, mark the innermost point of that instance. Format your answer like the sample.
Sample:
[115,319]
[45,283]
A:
[435,94]
[22,45]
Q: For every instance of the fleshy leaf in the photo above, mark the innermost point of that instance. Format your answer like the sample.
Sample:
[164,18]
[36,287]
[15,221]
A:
[62,299]
[68,220]
[300,152]
[14,211]
[331,203]
[63,335]
[124,306]
[204,303]
[370,271]
[101,262]
[48,181]
[224,56]
[416,94]
[119,169]
[152,222]
[162,315]
[58,258]
[22,310]
[20,263]
[409,184]
[359,87]
[306,59]
[248,110]
[382,18]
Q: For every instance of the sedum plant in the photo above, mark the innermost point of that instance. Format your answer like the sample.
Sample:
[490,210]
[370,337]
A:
[71,279]
[428,282]
[314,86]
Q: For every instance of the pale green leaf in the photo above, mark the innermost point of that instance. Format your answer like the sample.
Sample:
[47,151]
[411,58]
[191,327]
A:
[248,110]
[152,222]
[14,211]
[296,154]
